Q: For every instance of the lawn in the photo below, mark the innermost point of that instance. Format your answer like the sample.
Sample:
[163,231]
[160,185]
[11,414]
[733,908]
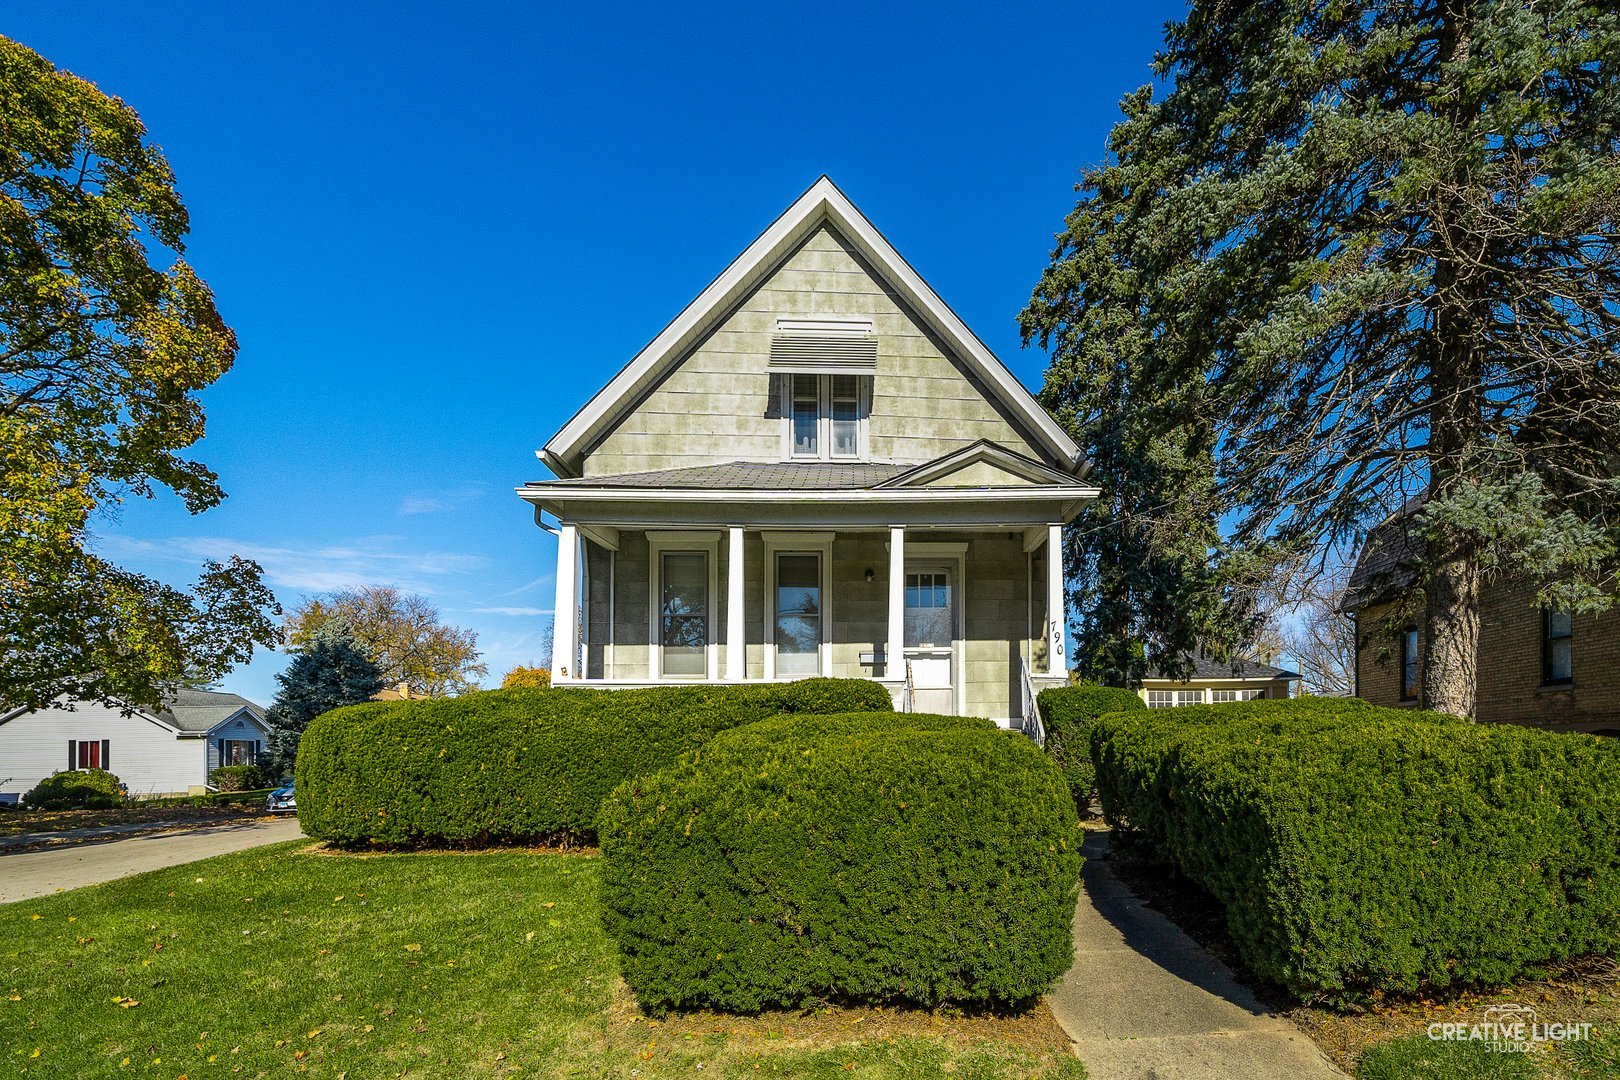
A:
[289,959]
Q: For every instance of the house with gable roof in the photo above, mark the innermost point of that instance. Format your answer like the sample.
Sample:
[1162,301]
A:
[167,751]
[815,469]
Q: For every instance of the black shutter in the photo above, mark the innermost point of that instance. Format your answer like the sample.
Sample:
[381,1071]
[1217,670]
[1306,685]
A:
[73,754]
[106,754]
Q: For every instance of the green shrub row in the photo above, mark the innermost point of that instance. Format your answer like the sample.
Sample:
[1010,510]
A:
[84,789]
[238,778]
[1358,849]
[519,764]
[1068,713]
[871,858]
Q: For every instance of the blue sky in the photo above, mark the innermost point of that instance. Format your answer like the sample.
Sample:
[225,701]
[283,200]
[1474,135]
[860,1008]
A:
[439,228]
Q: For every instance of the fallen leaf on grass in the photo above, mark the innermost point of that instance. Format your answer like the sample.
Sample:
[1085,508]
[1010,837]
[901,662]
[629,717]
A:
[125,1002]
[413,948]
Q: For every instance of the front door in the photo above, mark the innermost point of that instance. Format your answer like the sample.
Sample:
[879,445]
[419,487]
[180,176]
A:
[930,647]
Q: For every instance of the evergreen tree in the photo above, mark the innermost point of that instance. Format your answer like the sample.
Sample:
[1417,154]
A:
[1372,245]
[329,670]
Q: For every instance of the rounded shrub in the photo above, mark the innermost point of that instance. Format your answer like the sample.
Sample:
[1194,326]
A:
[238,778]
[516,765]
[87,789]
[857,858]
[1068,713]
[1358,850]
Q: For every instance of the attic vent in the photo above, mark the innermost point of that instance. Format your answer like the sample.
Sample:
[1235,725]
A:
[833,347]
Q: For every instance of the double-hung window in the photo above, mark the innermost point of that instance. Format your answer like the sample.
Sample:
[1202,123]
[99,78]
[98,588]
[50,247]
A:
[1557,635]
[89,754]
[1161,699]
[826,416]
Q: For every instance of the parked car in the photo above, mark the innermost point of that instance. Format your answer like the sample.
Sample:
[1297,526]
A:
[281,801]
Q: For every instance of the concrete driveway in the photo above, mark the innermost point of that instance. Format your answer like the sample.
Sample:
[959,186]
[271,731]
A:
[29,874]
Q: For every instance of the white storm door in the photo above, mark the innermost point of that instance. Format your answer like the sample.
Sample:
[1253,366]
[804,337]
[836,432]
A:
[930,644]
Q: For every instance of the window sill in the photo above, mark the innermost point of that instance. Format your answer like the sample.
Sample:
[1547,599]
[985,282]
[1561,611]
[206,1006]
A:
[1556,687]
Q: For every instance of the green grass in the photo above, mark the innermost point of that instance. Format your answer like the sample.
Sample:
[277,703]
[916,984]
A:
[1417,1057]
[284,959]
[1597,1058]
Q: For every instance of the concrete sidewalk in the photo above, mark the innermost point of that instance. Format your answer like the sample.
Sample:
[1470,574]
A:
[28,874]
[1144,1002]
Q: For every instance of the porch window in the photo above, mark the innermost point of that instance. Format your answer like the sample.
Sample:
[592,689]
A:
[684,613]
[928,610]
[1189,697]
[1219,696]
[826,415]
[798,614]
[1557,635]
[1161,699]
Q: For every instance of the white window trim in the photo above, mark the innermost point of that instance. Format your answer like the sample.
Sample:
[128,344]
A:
[659,543]
[824,403]
[798,543]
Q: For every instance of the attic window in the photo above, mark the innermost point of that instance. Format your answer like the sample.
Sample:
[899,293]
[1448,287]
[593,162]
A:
[824,347]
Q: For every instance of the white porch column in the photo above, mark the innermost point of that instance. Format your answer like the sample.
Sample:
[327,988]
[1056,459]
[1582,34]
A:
[894,662]
[1056,616]
[565,624]
[736,645]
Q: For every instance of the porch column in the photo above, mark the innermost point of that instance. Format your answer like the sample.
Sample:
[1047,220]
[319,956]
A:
[565,624]
[1056,620]
[736,645]
[894,662]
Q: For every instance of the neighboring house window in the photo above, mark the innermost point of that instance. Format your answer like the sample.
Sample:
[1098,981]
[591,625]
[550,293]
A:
[238,751]
[684,612]
[1189,697]
[1221,696]
[89,754]
[826,415]
[1557,634]
[798,614]
[1161,699]
[1409,664]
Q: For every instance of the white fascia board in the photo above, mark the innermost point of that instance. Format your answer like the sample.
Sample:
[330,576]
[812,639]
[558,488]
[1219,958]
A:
[822,202]
[1030,493]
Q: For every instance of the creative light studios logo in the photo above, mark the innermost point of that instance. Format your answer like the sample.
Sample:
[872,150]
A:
[1510,1028]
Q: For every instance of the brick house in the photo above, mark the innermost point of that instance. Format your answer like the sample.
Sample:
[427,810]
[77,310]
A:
[1543,668]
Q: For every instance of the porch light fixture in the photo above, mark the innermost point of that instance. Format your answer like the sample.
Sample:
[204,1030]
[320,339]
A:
[869,574]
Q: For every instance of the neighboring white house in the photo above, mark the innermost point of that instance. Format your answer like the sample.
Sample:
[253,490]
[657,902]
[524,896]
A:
[1215,681]
[815,469]
[164,752]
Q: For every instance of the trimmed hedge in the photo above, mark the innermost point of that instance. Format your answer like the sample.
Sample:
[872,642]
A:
[1068,713]
[893,858]
[84,789]
[1358,849]
[238,778]
[504,765]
